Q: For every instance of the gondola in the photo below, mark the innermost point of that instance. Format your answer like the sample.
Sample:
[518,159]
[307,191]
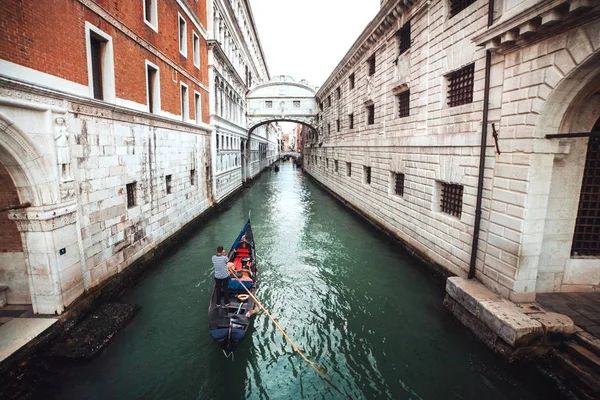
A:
[229,325]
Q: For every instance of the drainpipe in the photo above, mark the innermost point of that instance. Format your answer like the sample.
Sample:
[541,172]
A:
[486,100]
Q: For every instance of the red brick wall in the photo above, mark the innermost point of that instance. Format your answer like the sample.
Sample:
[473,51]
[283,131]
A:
[49,36]
[10,238]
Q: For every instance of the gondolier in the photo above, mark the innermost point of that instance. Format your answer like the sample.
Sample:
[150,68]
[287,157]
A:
[222,272]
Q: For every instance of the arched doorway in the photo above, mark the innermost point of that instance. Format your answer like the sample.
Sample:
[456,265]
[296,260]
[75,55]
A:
[14,279]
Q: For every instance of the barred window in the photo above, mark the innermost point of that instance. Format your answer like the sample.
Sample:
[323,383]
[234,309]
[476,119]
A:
[367,172]
[586,238]
[451,199]
[398,184]
[460,86]
[335,164]
[348,169]
[329,101]
[326,163]
[403,36]
[131,194]
[457,6]
[403,104]
[371,63]
[351,81]
[329,129]
[168,183]
[337,125]
[193,176]
[338,93]
[350,121]
[296,103]
[371,114]
[268,104]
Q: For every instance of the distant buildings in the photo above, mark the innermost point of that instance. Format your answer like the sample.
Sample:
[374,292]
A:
[401,125]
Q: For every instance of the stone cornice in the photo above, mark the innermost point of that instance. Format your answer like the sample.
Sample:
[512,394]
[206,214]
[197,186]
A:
[375,30]
[102,13]
[88,106]
[526,24]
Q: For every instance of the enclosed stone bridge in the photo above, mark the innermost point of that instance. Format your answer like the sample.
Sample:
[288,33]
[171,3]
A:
[288,154]
[282,99]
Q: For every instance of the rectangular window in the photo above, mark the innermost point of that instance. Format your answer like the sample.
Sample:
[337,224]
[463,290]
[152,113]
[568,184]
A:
[403,104]
[371,114]
[268,104]
[198,107]
[403,38]
[196,45]
[586,238]
[182,36]
[329,101]
[337,125]
[338,93]
[371,65]
[96,49]
[192,177]
[350,121]
[150,14]
[131,194]
[460,86]
[351,81]
[457,6]
[367,174]
[335,165]
[184,102]
[168,183]
[329,129]
[100,64]
[152,88]
[398,184]
[451,199]
[327,163]
[296,103]
[348,169]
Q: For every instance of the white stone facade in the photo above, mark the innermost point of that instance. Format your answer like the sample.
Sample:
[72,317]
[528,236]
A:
[81,228]
[544,79]
[236,63]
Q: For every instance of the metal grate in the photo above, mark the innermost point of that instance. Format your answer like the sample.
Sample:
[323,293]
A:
[460,86]
[368,175]
[296,103]
[131,197]
[371,114]
[403,36]
[399,184]
[193,175]
[451,200]
[457,6]
[404,104]
[586,239]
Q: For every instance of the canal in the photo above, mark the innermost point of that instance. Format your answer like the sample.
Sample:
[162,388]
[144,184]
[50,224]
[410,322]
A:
[356,303]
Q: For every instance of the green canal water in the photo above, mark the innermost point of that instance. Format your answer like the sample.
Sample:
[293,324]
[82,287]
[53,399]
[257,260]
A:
[356,303]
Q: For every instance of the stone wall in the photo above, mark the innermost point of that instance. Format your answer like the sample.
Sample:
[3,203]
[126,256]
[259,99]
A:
[538,85]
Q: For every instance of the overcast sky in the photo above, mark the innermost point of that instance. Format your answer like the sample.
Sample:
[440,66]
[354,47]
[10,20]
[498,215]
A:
[308,38]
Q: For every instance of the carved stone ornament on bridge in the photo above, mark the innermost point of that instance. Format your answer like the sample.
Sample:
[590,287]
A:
[63,155]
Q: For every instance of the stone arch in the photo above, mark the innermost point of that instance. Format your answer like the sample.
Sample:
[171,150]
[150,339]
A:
[30,171]
[573,106]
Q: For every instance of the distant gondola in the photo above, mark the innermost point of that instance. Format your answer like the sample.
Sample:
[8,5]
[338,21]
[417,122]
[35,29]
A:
[228,325]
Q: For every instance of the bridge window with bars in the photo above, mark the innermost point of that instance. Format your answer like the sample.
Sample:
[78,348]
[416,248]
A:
[371,65]
[457,6]
[460,86]
[351,82]
[398,184]
[367,172]
[131,194]
[451,199]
